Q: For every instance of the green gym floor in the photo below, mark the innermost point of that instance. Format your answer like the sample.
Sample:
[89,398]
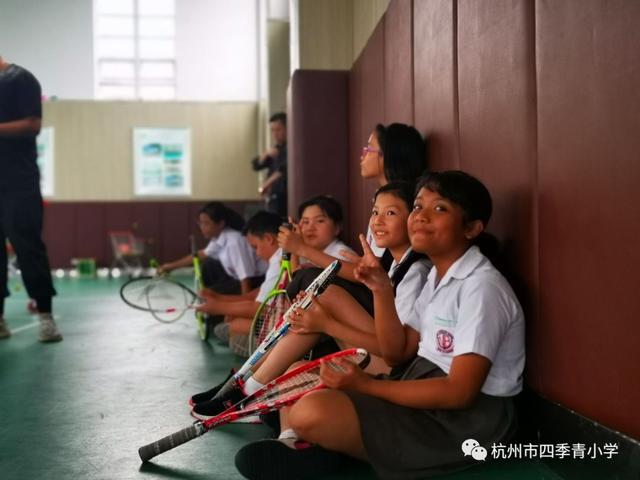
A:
[79,409]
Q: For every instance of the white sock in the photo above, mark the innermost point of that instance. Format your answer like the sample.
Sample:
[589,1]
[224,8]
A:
[252,386]
[288,434]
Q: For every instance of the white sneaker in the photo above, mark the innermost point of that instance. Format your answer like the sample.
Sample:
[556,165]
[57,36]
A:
[48,330]
[4,330]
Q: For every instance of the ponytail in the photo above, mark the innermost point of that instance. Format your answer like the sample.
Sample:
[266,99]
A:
[218,211]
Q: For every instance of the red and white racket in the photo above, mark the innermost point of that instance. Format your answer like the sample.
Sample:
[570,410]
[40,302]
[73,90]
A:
[283,391]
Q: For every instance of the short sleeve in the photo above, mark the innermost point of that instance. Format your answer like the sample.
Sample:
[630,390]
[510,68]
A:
[29,96]
[483,319]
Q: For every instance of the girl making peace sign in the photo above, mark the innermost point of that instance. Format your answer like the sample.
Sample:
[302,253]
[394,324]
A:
[463,344]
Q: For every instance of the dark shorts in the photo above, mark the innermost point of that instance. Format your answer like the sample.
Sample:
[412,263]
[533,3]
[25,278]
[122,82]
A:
[215,277]
[408,443]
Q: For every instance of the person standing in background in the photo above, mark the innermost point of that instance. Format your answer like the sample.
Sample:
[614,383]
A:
[274,188]
[20,197]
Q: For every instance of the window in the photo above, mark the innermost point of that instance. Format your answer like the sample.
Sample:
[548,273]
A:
[135,49]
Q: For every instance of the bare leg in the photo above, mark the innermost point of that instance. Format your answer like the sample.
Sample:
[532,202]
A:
[287,351]
[329,419]
[344,308]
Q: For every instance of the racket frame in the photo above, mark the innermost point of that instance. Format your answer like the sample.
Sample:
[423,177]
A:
[237,411]
[152,281]
[281,327]
[284,277]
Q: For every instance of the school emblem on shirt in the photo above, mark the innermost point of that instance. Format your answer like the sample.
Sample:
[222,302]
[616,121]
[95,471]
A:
[445,341]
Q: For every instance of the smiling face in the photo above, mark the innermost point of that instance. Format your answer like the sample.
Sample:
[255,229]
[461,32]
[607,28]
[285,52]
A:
[317,229]
[437,227]
[388,221]
[372,159]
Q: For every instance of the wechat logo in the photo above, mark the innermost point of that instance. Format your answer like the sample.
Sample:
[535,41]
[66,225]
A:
[473,448]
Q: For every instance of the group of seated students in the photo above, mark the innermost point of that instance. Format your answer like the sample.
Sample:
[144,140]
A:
[443,326]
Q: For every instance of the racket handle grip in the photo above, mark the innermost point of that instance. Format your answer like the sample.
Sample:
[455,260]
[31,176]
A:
[169,442]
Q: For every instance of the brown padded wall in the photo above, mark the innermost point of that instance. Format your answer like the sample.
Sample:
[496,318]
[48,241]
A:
[398,63]
[497,124]
[80,229]
[435,80]
[587,346]
[366,90]
[540,100]
[319,136]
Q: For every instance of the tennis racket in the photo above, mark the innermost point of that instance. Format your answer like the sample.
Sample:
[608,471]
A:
[201,320]
[274,306]
[167,300]
[315,289]
[283,391]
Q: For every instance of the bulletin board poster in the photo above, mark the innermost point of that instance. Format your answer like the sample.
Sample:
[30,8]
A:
[162,161]
[45,146]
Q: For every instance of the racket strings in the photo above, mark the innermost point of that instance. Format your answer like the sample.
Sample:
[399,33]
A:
[165,299]
[291,387]
[270,316]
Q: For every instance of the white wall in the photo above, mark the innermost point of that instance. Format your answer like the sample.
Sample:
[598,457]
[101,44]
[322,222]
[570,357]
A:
[54,40]
[217,49]
[216,46]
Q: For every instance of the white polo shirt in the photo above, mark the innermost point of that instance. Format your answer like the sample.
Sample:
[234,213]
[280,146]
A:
[332,249]
[410,286]
[335,247]
[271,277]
[473,310]
[235,254]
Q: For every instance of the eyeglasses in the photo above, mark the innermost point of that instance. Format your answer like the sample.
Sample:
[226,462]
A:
[366,150]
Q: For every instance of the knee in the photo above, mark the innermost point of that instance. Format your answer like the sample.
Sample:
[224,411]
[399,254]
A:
[307,415]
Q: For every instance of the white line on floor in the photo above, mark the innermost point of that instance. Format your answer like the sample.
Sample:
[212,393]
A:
[25,327]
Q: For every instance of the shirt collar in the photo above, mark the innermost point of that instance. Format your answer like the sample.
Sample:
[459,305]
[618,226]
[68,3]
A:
[276,256]
[395,264]
[463,267]
[223,237]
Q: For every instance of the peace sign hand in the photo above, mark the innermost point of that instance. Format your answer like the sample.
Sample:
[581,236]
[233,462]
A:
[369,271]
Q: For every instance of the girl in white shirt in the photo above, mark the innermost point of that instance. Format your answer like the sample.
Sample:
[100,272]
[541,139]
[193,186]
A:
[395,152]
[235,269]
[463,348]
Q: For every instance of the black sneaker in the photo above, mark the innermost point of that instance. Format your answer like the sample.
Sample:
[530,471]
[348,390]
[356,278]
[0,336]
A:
[272,420]
[287,458]
[209,394]
[217,405]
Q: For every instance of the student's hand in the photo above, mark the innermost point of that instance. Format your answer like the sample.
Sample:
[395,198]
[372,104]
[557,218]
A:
[164,268]
[207,292]
[368,270]
[343,375]
[312,320]
[290,239]
[208,303]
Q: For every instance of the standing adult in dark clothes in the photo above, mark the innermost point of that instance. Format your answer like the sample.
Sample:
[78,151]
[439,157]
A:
[274,188]
[20,198]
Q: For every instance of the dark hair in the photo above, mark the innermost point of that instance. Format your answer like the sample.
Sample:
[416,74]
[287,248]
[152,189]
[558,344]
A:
[473,197]
[218,211]
[462,189]
[329,205]
[405,191]
[263,222]
[404,151]
[279,117]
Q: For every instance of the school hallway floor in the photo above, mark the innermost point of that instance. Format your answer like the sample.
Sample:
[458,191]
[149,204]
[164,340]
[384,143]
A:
[79,409]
